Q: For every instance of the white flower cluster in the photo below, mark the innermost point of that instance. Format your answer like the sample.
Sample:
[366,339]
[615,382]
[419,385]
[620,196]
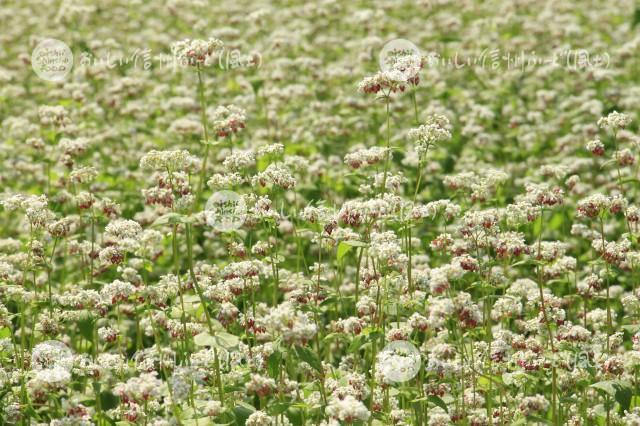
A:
[365,157]
[186,126]
[270,149]
[275,174]
[260,418]
[348,410]
[449,210]
[506,307]
[596,147]
[74,147]
[195,52]
[319,214]
[595,205]
[532,404]
[407,68]
[356,212]
[52,379]
[168,161]
[50,354]
[227,120]
[481,185]
[116,291]
[386,247]
[386,81]
[614,121]
[294,326]
[240,159]
[543,195]
[428,135]
[84,174]
[54,115]
[35,207]
[441,277]
[145,387]
[122,229]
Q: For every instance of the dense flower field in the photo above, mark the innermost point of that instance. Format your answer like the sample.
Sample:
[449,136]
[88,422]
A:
[240,212]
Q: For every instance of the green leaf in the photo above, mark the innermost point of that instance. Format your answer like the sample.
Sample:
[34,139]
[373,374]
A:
[368,335]
[108,400]
[333,336]
[86,329]
[631,328]
[172,218]
[623,396]
[630,180]
[191,298]
[278,408]
[437,401]
[606,386]
[201,421]
[391,308]
[256,84]
[556,221]
[538,419]
[355,243]
[221,340]
[330,301]
[522,262]
[356,344]
[620,390]
[310,357]
[226,340]
[242,411]
[343,249]
[273,364]
[482,286]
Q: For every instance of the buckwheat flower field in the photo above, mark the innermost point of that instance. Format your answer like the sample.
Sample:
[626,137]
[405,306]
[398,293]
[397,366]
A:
[333,212]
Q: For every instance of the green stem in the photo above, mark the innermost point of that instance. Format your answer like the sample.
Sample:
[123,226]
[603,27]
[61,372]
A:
[388,153]
[554,389]
[176,268]
[203,117]
[194,278]
[415,104]
[53,251]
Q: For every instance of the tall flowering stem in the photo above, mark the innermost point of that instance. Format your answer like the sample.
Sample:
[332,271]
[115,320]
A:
[196,53]
[387,157]
[554,389]
[421,160]
[206,141]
